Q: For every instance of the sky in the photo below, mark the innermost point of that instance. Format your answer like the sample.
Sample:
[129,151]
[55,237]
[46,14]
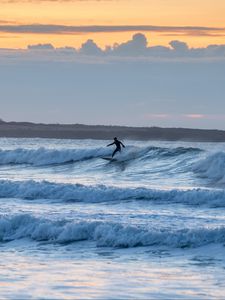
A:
[113,62]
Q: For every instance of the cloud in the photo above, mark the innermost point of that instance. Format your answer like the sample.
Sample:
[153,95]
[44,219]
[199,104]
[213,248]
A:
[195,116]
[63,29]
[41,47]
[135,48]
[159,87]
[5,22]
[179,46]
[90,48]
[157,116]
[195,33]
[181,116]
[215,49]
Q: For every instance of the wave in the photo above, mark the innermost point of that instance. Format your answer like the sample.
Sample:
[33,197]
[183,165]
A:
[159,152]
[60,192]
[212,167]
[105,234]
[43,156]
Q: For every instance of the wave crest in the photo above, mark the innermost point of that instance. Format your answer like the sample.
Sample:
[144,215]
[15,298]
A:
[105,234]
[62,192]
[43,156]
[212,167]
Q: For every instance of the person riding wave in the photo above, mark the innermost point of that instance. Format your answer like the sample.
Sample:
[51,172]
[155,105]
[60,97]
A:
[118,146]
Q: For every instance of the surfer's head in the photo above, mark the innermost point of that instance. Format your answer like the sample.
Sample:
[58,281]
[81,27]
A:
[115,138]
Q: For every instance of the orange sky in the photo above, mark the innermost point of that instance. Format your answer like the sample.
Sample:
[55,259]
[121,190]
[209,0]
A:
[204,13]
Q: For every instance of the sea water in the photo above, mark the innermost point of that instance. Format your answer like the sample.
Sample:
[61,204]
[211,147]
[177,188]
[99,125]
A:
[150,225]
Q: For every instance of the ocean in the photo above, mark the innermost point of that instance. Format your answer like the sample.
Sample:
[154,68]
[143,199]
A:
[150,225]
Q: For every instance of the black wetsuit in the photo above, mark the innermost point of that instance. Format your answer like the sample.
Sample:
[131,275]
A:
[118,146]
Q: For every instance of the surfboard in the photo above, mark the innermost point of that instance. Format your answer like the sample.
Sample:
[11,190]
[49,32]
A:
[109,158]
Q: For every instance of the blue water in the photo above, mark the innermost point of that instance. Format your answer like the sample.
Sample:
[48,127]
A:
[150,225]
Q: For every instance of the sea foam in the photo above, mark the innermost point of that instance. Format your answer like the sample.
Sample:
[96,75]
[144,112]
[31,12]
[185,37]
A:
[105,234]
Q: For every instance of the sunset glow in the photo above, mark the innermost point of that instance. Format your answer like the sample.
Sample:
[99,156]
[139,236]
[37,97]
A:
[205,21]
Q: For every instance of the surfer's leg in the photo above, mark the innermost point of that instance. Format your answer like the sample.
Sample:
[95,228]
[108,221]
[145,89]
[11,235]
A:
[114,152]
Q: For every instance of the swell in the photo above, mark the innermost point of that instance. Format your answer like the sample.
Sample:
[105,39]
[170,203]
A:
[167,153]
[43,156]
[212,167]
[60,192]
[105,234]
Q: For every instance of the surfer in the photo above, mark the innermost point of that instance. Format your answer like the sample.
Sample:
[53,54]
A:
[118,146]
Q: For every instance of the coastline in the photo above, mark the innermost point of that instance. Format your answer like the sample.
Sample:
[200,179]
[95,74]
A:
[80,131]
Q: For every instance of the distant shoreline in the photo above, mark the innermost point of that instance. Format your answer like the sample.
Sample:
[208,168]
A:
[79,131]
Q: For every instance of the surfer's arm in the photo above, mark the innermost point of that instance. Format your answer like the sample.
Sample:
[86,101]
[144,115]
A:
[110,144]
[122,144]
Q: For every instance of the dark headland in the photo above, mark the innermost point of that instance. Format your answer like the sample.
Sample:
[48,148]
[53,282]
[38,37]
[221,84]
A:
[79,131]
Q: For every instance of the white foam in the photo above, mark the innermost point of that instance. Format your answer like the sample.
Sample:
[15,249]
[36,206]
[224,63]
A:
[105,234]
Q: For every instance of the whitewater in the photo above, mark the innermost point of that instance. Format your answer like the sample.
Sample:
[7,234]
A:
[150,225]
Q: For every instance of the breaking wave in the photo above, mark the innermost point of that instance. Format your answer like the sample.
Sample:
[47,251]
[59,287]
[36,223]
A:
[105,234]
[212,167]
[62,192]
[43,156]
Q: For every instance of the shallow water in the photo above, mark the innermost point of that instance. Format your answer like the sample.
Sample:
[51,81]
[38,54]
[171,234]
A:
[150,225]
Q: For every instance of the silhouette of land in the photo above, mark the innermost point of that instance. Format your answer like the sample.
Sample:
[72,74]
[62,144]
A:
[79,131]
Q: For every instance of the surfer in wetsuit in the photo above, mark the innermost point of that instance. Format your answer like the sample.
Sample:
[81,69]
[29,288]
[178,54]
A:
[118,146]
